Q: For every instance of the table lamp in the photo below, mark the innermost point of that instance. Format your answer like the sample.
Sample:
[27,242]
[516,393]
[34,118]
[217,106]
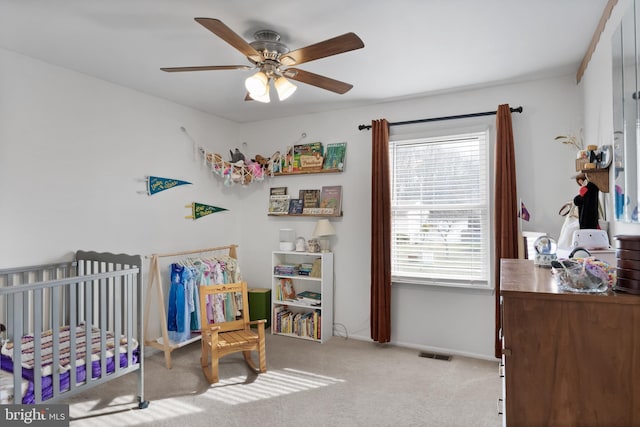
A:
[323,231]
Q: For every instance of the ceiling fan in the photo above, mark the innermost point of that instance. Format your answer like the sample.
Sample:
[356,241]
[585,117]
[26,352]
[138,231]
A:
[273,60]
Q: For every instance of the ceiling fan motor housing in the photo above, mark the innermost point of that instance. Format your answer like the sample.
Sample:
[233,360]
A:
[267,42]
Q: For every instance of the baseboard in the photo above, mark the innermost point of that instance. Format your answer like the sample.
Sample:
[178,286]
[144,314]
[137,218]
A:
[431,349]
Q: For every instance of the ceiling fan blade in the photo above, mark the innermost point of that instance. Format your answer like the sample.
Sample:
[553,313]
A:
[248,97]
[207,68]
[317,80]
[334,46]
[227,34]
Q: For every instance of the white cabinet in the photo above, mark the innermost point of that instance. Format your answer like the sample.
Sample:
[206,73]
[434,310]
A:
[298,274]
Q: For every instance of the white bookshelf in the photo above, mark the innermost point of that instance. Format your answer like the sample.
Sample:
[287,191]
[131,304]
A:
[322,284]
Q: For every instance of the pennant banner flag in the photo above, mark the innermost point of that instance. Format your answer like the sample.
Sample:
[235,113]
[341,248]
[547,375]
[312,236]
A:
[199,210]
[524,213]
[156,184]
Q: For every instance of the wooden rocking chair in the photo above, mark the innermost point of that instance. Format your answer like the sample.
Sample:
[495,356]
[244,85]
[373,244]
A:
[226,328]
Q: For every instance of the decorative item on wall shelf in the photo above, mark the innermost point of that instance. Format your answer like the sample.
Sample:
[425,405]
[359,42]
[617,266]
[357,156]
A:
[156,184]
[198,210]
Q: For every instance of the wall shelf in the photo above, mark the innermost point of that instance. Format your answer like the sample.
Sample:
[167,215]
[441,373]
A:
[600,177]
[308,215]
[308,172]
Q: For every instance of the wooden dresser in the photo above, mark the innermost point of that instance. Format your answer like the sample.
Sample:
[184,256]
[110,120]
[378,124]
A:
[568,359]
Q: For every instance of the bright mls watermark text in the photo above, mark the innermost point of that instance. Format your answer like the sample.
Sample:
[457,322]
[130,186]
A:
[34,415]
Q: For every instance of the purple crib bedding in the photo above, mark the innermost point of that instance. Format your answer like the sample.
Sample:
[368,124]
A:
[6,361]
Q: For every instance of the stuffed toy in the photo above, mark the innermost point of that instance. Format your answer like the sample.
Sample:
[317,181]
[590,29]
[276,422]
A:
[587,203]
[236,156]
[262,161]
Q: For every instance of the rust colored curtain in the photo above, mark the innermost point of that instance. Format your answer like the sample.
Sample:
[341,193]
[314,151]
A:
[506,206]
[380,233]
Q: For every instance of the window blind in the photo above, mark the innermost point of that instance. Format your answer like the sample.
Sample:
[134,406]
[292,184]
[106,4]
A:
[440,210]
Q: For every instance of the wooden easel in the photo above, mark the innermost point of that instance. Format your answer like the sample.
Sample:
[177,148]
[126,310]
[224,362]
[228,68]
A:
[155,281]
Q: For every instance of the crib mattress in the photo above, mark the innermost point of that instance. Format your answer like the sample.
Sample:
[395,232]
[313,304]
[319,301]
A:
[64,364]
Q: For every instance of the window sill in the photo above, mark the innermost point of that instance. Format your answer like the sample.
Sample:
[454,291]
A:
[479,288]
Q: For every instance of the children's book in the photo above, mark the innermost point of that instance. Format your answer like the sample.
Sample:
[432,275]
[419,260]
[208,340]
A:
[279,205]
[335,156]
[296,206]
[310,198]
[331,198]
[288,291]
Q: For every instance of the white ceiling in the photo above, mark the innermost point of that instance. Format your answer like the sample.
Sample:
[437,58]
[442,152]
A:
[412,47]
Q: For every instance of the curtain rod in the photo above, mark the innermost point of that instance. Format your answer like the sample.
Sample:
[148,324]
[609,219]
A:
[437,119]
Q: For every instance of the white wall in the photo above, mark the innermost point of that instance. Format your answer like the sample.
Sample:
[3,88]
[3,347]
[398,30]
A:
[72,152]
[73,149]
[453,320]
[597,89]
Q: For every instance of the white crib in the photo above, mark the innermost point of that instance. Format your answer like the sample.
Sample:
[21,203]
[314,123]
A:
[61,318]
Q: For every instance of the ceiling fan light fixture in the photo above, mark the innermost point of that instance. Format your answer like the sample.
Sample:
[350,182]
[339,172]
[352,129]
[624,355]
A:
[284,88]
[261,98]
[257,85]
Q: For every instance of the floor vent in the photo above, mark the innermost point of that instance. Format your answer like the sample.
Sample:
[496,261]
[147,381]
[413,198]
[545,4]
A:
[435,356]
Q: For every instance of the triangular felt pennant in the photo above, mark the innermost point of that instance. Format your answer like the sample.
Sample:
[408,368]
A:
[156,184]
[524,213]
[199,210]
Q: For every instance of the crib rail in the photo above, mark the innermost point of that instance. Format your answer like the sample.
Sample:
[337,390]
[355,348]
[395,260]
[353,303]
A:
[96,295]
[33,274]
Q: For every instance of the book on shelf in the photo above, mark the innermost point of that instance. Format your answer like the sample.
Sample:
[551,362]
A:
[287,290]
[279,205]
[304,269]
[331,199]
[310,198]
[307,156]
[285,269]
[302,324]
[335,156]
[278,191]
[316,269]
[309,297]
[296,206]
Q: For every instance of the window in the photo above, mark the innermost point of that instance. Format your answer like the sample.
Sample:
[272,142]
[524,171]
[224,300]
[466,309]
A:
[440,210]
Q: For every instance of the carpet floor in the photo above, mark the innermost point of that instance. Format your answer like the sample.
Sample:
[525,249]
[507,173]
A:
[343,382]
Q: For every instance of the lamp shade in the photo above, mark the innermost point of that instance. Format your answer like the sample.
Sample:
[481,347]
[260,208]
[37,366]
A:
[261,98]
[284,88]
[323,228]
[257,84]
